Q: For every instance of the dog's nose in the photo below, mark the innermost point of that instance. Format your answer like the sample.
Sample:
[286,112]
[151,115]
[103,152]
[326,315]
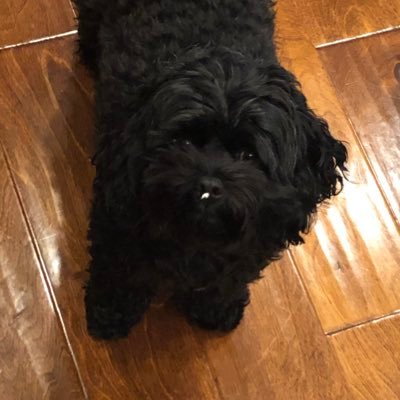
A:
[210,188]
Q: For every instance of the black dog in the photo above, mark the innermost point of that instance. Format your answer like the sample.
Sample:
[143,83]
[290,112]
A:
[209,161]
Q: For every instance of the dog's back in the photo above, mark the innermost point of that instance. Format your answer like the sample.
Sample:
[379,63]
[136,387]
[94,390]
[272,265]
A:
[131,44]
[156,32]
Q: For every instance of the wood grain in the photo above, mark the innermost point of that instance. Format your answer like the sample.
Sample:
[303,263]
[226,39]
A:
[329,20]
[34,360]
[350,263]
[279,351]
[370,357]
[368,86]
[24,20]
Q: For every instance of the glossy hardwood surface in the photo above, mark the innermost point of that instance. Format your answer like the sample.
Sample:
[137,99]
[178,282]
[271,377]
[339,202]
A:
[370,357]
[35,362]
[279,352]
[329,20]
[351,261]
[366,74]
[349,266]
[24,20]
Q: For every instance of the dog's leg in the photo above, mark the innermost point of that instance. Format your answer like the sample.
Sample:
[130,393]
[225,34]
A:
[90,15]
[118,291]
[218,308]
[112,308]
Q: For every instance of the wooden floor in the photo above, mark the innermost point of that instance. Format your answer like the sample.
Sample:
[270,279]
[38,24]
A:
[324,323]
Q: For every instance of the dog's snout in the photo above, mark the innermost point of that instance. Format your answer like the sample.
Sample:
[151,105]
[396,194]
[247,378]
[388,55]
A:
[210,188]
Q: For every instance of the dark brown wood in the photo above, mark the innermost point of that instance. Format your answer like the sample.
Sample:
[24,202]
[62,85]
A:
[35,362]
[365,74]
[330,20]
[371,359]
[24,20]
[279,352]
[350,263]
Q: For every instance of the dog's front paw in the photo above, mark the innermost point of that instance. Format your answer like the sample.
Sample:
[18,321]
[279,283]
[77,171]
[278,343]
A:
[114,320]
[220,317]
[215,318]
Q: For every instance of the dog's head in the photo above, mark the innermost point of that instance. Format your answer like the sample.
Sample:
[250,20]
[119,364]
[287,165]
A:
[224,150]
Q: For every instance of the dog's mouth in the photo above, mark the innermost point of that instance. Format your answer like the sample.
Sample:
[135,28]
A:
[196,218]
[208,221]
[213,219]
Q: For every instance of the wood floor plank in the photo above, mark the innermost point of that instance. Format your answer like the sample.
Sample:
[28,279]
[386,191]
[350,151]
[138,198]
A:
[24,20]
[35,362]
[350,263]
[279,351]
[274,346]
[370,357]
[326,21]
[366,74]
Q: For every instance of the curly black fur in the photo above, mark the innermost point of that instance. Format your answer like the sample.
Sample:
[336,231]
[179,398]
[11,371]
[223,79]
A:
[209,161]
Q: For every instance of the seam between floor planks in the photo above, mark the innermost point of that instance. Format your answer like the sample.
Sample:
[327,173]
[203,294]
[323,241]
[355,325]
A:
[357,37]
[361,324]
[42,269]
[71,3]
[39,40]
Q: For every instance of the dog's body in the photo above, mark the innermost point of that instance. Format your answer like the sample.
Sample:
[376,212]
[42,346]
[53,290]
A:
[209,162]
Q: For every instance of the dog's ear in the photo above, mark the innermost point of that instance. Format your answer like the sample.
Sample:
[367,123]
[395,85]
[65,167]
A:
[298,150]
[325,155]
[316,157]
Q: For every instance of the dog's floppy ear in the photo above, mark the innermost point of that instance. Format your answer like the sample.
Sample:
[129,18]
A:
[325,155]
[319,155]
[306,149]
[297,144]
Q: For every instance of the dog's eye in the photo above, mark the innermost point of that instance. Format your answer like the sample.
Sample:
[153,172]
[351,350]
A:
[245,155]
